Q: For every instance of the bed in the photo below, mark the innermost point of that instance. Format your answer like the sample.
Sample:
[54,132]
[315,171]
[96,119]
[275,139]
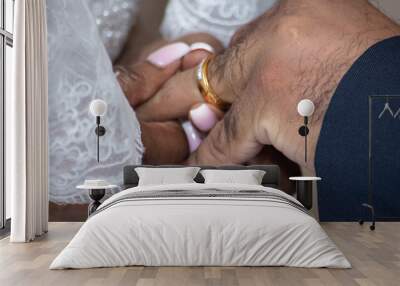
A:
[201,224]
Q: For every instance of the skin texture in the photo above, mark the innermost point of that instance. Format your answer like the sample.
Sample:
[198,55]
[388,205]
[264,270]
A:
[299,49]
[164,139]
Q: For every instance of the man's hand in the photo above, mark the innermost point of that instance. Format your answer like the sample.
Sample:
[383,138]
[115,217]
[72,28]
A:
[299,49]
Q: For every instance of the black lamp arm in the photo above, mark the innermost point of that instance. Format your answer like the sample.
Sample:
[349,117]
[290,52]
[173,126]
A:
[303,131]
[100,131]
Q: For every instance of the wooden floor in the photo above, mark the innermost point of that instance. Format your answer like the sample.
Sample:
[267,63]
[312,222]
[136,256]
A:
[375,257]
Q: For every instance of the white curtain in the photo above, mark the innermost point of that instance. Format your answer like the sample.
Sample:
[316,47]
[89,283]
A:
[26,128]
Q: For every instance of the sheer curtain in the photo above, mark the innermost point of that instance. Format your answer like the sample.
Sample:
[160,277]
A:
[26,124]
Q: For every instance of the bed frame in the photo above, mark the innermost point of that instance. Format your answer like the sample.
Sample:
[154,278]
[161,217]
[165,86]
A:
[270,179]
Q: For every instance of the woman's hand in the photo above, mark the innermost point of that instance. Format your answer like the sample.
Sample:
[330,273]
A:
[299,49]
[165,142]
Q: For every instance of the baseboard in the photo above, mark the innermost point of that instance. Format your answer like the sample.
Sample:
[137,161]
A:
[5,231]
[67,212]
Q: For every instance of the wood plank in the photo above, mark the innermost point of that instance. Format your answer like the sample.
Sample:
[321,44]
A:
[375,257]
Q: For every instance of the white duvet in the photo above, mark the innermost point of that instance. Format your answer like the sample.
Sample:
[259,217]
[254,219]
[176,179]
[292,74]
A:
[202,231]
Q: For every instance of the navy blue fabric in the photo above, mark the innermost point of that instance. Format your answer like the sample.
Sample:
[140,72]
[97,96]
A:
[342,150]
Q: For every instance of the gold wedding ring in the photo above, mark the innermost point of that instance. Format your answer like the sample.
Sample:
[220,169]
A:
[205,87]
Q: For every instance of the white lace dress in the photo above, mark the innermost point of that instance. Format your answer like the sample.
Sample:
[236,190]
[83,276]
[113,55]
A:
[80,70]
[84,36]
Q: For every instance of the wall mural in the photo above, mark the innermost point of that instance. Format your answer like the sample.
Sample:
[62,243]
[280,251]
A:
[87,43]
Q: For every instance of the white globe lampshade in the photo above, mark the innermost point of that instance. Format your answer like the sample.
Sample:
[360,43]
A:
[98,107]
[305,108]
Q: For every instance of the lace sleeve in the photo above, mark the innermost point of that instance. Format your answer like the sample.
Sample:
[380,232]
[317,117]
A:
[218,18]
[114,19]
[79,71]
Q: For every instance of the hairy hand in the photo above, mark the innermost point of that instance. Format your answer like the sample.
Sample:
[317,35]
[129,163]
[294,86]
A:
[299,49]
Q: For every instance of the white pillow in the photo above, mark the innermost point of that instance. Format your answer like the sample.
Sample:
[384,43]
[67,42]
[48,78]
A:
[162,176]
[247,177]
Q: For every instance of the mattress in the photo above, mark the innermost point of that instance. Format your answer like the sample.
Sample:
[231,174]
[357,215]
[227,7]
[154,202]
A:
[201,225]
